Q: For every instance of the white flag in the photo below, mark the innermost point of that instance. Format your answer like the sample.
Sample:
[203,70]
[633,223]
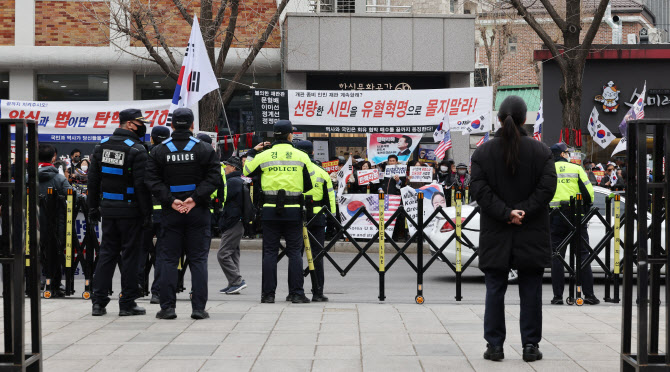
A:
[342,176]
[441,129]
[479,124]
[593,120]
[196,77]
[599,131]
[621,146]
[537,128]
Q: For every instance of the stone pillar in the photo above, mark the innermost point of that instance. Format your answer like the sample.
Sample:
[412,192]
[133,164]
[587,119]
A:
[122,85]
[24,29]
[22,85]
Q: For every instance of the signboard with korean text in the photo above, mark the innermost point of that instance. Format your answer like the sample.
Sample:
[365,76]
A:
[392,170]
[362,227]
[381,145]
[331,166]
[421,174]
[369,111]
[368,176]
[427,153]
[86,121]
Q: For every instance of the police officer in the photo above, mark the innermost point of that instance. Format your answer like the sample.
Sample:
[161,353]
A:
[182,173]
[158,135]
[572,179]
[117,175]
[284,174]
[324,196]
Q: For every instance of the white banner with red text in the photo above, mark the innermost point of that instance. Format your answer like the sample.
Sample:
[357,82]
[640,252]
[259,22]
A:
[85,121]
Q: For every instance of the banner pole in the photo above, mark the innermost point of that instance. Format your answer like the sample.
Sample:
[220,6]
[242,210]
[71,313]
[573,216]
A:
[382,236]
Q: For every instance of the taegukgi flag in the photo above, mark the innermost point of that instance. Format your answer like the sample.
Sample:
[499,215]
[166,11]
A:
[537,128]
[478,124]
[601,135]
[196,77]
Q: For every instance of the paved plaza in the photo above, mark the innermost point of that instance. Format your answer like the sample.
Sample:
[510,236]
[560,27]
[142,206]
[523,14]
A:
[353,332]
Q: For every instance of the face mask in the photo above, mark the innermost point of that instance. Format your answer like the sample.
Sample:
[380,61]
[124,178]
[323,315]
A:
[141,130]
[84,168]
[76,158]
[444,169]
[461,172]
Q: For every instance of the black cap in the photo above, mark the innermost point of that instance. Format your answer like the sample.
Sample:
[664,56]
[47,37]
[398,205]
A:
[305,146]
[132,114]
[182,118]
[559,148]
[160,134]
[234,161]
[283,127]
[462,166]
[204,137]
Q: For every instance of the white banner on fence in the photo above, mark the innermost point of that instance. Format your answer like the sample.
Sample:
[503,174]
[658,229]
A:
[368,176]
[392,170]
[432,198]
[362,228]
[421,174]
[381,145]
[85,121]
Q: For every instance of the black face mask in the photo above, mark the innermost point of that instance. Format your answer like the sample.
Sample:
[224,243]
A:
[76,159]
[141,130]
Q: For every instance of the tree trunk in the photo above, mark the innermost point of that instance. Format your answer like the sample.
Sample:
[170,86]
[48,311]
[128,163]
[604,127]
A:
[570,94]
[210,109]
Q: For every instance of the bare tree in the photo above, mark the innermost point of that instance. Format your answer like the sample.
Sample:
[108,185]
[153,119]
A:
[151,25]
[571,55]
[495,39]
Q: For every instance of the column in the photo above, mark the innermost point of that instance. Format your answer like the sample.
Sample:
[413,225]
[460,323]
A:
[122,85]
[22,85]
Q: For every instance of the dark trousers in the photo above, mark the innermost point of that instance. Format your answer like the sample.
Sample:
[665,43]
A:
[151,249]
[559,230]
[530,294]
[292,233]
[189,233]
[120,237]
[316,242]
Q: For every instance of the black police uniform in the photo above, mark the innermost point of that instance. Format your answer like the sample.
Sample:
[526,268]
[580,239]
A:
[179,168]
[117,174]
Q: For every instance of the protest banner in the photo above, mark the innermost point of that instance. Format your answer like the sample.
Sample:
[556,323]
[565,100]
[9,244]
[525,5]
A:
[331,166]
[84,121]
[427,153]
[374,111]
[599,176]
[381,145]
[368,176]
[362,227]
[392,170]
[432,197]
[421,174]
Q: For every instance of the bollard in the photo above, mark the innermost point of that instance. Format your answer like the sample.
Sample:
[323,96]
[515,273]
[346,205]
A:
[458,246]
[69,221]
[419,299]
[309,205]
[382,235]
[453,196]
[578,249]
[51,254]
[368,189]
[27,234]
[617,246]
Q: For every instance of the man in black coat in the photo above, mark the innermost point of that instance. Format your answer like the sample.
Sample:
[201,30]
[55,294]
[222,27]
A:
[514,234]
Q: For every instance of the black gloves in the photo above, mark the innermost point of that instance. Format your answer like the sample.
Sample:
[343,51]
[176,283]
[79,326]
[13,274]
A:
[94,215]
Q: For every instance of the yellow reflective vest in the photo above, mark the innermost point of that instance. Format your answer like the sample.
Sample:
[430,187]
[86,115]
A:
[323,190]
[569,176]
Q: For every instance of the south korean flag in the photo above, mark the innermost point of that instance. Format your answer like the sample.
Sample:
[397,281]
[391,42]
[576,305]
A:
[600,133]
[479,124]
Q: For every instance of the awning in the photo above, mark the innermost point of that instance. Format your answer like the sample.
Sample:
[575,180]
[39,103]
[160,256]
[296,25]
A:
[529,93]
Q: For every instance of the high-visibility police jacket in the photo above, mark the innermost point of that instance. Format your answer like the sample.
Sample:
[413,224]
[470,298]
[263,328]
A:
[116,177]
[572,179]
[182,167]
[323,194]
[281,167]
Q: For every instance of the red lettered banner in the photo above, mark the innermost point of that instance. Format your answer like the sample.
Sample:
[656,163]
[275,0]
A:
[368,176]
[331,166]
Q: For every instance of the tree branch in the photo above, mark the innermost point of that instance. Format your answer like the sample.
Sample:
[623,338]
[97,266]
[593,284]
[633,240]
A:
[532,22]
[560,22]
[228,41]
[593,29]
[183,11]
[162,41]
[220,15]
[142,36]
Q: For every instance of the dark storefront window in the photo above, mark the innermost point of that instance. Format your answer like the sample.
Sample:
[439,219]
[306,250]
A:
[154,87]
[4,85]
[72,87]
[240,108]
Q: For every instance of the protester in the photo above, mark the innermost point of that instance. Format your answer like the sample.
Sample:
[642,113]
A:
[354,187]
[392,185]
[609,179]
[513,180]
[75,161]
[444,173]
[462,177]
[80,175]
[588,167]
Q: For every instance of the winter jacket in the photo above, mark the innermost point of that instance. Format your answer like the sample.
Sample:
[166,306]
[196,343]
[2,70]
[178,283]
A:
[49,177]
[232,208]
[501,245]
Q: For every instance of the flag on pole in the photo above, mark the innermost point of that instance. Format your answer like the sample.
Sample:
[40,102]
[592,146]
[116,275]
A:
[621,146]
[196,77]
[483,139]
[445,145]
[343,175]
[600,133]
[537,128]
[479,124]
[635,112]
[439,133]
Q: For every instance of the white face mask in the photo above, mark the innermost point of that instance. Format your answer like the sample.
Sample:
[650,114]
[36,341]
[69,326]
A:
[84,168]
[444,168]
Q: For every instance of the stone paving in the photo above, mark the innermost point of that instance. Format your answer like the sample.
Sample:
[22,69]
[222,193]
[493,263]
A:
[249,336]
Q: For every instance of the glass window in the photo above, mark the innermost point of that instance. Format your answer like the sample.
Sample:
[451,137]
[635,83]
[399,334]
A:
[511,44]
[72,87]
[4,85]
[154,87]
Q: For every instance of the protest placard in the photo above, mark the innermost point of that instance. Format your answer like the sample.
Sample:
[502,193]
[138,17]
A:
[421,174]
[331,166]
[368,176]
[392,170]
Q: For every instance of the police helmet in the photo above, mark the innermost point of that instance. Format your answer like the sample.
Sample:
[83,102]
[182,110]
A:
[182,118]
[305,146]
[160,134]
[283,127]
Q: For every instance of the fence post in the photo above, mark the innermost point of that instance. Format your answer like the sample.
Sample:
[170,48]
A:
[69,220]
[617,246]
[570,300]
[382,236]
[51,255]
[608,253]
[453,196]
[28,227]
[578,249]
[419,249]
[467,195]
[309,208]
[458,245]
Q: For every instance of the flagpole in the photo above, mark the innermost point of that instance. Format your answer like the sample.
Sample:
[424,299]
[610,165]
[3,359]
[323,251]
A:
[225,116]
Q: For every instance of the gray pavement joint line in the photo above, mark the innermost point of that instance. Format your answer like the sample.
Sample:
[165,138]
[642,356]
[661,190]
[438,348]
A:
[268,338]
[86,335]
[423,369]
[100,360]
[456,343]
[360,337]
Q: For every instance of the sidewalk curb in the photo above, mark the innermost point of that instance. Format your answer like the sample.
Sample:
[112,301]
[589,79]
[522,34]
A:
[340,247]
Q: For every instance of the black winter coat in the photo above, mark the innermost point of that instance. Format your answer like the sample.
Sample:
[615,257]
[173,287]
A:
[232,208]
[501,245]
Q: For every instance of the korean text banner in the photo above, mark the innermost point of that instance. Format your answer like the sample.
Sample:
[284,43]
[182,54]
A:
[362,228]
[380,111]
[432,198]
[381,145]
[85,121]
